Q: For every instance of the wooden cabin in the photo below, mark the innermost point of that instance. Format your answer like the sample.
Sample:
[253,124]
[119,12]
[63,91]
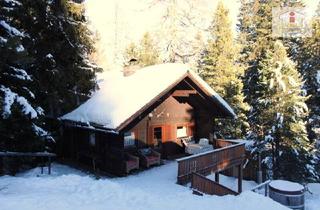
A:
[152,107]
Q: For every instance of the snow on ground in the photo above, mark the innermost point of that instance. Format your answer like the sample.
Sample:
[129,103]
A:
[68,189]
[232,182]
[313,200]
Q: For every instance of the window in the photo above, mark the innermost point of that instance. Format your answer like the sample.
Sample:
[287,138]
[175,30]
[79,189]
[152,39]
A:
[92,139]
[181,131]
[129,139]
[157,136]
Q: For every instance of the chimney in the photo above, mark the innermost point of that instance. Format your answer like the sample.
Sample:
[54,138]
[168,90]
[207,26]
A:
[131,67]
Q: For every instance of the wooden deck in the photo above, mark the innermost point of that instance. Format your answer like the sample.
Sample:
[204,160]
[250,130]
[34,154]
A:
[228,154]
[201,184]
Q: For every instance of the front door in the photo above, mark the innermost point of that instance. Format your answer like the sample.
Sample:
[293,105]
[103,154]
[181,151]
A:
[156,137]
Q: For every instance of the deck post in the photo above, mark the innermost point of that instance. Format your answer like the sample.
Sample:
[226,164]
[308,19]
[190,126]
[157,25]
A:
[240,177]
[259,173]
[49,165]
[216,176]
[42,163]
[266,189]
[1,165]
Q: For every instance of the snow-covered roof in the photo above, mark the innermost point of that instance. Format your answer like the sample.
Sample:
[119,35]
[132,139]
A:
[121,97]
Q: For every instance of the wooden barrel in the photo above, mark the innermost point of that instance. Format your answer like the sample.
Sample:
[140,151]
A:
[287,193]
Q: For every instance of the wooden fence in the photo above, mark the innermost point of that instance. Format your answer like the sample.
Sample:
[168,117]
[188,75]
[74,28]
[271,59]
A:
[201,184]
[217,160]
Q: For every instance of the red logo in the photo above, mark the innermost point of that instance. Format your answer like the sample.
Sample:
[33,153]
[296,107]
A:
[292,17]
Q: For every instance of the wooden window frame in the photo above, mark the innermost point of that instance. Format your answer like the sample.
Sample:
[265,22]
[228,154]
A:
[128,141]
[153,134]
[183,126]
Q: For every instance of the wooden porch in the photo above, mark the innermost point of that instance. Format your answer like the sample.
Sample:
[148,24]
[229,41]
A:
[227,154]
[201,184]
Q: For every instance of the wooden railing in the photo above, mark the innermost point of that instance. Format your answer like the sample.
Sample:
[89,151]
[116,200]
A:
[213,161]
[220,143]
[264,186]
[201,184]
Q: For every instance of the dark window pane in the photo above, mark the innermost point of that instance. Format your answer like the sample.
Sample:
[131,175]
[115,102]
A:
[157,136]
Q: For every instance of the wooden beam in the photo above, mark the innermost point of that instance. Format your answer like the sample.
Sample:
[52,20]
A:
[183,93]
[49,165]
[216,177]
[240,177]
[221,110]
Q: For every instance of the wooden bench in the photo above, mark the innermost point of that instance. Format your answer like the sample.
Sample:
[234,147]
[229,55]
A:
[131,163]
[149,157]
[42,155]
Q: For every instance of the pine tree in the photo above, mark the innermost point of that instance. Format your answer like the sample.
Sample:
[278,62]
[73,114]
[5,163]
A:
[21,114]
[222,72]
[61,47]
[255,38]
[131,52]
[44,46]
[146,53]
[280,116]
[178,33]
[246,36]
[149,55]
[309,63]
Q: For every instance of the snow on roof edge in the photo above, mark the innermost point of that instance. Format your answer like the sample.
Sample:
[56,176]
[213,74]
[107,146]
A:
[177,72]
[157,96]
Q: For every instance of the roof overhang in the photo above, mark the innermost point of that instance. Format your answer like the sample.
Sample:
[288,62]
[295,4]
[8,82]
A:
[213,100]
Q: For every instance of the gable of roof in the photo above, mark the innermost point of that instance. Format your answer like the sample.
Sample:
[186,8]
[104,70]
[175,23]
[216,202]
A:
[121,99]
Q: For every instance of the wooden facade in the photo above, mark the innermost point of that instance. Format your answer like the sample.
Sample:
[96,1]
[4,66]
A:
[185,108]
[160,128]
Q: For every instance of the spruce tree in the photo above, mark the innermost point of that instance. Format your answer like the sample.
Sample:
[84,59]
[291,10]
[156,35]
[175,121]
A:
[61,47]
[309,63]
[61,44]
[149,54]
[44,46]
[21,115]
[219,68]
[281,116]
[255,38]
[179,30]
[131,52]
[20,111]
[146,53]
